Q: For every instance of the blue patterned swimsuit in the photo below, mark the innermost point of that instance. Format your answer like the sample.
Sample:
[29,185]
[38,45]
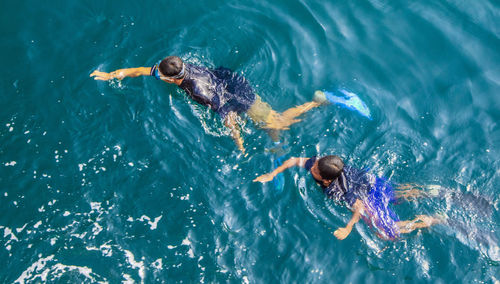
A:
[375,193]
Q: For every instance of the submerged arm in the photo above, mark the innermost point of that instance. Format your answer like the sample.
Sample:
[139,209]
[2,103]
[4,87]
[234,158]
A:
[342,233]
[287,164]
[121,73]
[230,122]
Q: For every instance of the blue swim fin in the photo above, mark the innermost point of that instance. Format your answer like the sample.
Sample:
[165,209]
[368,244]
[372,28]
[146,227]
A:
[348,100]
[279,156]
[279,180]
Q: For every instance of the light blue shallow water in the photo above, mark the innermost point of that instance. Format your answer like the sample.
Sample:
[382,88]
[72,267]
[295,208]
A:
[132,181]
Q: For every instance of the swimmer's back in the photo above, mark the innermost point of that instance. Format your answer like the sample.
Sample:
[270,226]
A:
[221,89]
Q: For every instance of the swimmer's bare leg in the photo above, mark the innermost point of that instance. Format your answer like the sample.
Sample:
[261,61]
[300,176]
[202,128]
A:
[407,186]
[274,134]
[282,121]
[293,112]
[411,191]
[420,222]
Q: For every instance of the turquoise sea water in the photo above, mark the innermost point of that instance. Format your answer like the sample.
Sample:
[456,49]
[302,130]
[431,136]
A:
[133,182]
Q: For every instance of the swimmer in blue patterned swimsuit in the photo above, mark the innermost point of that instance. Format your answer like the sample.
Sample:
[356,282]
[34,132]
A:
[224,91]
[366,195]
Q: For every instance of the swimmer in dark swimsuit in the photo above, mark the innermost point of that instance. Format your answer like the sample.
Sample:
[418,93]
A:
[366,195]
[224,91]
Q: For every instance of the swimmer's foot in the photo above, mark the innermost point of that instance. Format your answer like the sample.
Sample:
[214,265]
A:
[412,191]
[410,194]
[434,190]
[420,222]
[442,218]
[431,220]
[320,97]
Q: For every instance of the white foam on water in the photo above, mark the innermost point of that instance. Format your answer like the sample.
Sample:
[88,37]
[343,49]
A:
[152,224]
[35,267]
[96,229]
[158,264]
[59,269]
[199,265]
[105,249]
[95,206]
[37,224]
[128,279]
[39,272]
[80,236]
[420,257]
[8,232]
[19,230]
[136,264]
[190,253]
[187,242]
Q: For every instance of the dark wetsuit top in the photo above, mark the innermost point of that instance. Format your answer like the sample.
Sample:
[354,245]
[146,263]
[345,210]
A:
[221,89]
[351,185]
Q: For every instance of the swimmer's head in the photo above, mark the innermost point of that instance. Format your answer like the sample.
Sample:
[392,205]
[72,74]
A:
[330,167]
[171,67]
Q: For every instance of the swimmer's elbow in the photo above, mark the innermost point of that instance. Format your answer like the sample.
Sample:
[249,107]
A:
[298,161]
[292,162]
[142,71]
[358,207]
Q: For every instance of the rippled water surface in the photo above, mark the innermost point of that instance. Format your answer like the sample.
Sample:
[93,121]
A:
[132,181]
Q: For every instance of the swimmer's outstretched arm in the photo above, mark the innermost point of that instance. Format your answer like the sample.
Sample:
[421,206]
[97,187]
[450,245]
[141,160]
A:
[357,209]
[292,162]
[121,73]
[230,122]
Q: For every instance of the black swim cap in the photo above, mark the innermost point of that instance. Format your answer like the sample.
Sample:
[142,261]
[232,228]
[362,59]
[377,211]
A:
[330,167]
[172,66]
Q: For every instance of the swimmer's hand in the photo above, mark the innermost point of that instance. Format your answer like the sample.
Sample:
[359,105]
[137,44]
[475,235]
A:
[358,208]
[287,164]
[264,178]
[104,76]
[342,233]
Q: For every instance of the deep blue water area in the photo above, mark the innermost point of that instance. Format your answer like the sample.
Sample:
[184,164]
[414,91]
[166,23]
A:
[132,181]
